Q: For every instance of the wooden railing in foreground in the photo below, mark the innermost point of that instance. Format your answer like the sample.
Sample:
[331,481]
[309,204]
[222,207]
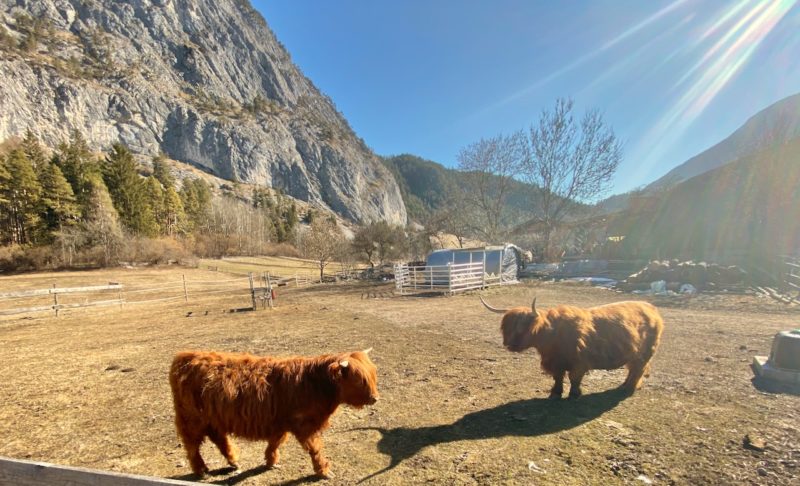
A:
[29,473]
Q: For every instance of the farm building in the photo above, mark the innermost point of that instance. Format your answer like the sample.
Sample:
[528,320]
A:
[459,269]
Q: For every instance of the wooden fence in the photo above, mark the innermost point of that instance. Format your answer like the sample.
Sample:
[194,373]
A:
[448,279]
[55,292]
[21,302]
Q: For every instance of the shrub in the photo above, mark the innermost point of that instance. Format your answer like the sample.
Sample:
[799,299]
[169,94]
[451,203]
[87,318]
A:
[154,251]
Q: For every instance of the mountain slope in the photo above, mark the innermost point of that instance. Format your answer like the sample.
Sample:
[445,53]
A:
[425,186]
[744,211]
[203,81]
[772,126]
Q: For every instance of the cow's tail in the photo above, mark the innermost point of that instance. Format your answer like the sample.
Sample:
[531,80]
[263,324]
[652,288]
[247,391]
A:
[180,381]
[652,338]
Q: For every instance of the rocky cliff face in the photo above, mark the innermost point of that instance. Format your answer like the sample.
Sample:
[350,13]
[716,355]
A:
[204,81]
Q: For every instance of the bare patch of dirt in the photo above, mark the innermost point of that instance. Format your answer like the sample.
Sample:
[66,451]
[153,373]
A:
[90,389]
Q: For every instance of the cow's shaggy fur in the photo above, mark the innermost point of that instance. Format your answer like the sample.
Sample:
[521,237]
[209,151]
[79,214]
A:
[263,398]
[575,340]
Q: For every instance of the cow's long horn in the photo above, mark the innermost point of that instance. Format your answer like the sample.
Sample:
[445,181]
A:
[533,306]
[366,351]
[499,311]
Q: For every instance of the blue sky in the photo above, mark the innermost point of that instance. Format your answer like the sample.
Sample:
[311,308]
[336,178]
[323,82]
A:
[430,77]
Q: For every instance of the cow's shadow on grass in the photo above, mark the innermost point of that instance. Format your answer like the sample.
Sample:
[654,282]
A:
[522,418]
[244,475]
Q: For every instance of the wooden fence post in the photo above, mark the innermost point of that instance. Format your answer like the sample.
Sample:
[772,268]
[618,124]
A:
[185,292]
[252,291]
[269,290]
[55,300]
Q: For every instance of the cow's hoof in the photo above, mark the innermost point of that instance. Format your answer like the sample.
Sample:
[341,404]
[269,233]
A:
[273,466]
[573,396]
[554,396]
[326,474]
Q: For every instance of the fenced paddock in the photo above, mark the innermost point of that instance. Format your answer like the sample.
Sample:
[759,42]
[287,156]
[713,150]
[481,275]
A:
[296,271]
[56,299]
[791,274]
[90,388]
[448,279]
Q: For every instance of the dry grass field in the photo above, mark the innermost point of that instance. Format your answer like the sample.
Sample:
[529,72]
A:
[281,266]
[90,389]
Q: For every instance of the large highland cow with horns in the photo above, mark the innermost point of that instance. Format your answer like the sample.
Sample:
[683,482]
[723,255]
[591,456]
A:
[262,398]
[575,340]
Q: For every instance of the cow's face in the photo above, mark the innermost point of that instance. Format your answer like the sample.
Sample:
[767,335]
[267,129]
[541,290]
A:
[517,328]
[357,378]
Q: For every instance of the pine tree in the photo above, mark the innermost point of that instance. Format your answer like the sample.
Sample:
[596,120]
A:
[196,197]
[261,198]
[78,165]
[5,210]
[34,151]
[22,191]
[128,192]
[161,171]
[155,199]
[175,217]
[291,216]
[58,205]
[5,179]
[101,226]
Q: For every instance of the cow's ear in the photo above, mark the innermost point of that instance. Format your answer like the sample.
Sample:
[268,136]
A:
[340,368]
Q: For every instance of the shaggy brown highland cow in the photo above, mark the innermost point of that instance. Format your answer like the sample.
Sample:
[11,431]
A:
[263,398]
[574,340]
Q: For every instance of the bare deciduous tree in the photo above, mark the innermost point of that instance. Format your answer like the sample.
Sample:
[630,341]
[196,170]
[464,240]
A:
[569,161]
[322,242]
[489,167]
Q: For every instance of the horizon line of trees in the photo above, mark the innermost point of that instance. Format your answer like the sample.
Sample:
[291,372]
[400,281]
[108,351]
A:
[77,208]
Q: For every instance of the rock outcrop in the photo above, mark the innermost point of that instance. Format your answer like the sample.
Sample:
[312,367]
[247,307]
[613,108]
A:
[203,81]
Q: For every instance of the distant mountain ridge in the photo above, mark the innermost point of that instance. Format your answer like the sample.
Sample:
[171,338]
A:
[775,125]
[203,81]
[425,185]
[747,211]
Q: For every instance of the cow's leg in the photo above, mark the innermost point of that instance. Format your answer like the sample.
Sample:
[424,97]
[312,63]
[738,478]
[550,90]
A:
[313,444]
[192,444]
[228,450]
[271,455]
[575,377]
[558,386]
[635,372]
[192,436]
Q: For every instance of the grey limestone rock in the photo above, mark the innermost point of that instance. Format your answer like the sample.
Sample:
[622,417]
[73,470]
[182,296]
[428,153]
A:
[203,81]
